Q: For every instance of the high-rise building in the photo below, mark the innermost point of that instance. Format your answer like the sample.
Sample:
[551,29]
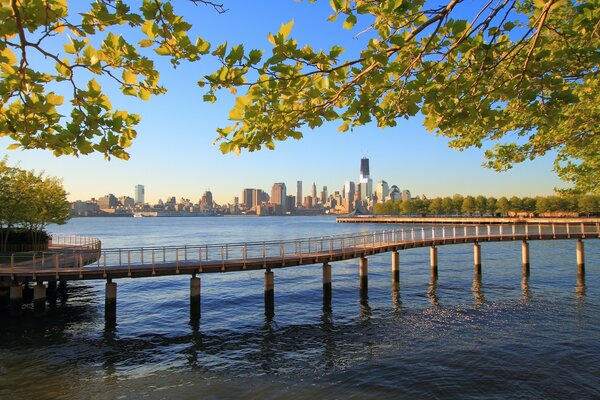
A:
[364,169]
[247,198]
[365,179]
[139,194]
[314,192]
[279,196]
[206,202]
[258,196]
[324,195]
[299,193]
[349,191]
[382,191]
[406,195]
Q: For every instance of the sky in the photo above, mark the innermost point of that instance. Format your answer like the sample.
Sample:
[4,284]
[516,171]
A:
[174,154]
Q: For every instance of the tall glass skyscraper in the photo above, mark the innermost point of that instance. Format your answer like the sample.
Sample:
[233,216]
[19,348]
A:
[365,181]
[139,194]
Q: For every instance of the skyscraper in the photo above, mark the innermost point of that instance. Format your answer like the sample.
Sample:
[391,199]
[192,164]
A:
[139,194]
[279,195]
[314,192]
[382,191]
[247,198]
[364,170]
[365,179]
[299,193]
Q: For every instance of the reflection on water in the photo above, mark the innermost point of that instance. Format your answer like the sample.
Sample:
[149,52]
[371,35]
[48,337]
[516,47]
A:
[431,291]
[478,296]
[525,292]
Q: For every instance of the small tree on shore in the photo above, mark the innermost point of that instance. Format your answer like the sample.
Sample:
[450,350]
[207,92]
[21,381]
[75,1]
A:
[29,201]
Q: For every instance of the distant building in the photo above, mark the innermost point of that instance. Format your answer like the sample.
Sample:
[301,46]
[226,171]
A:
[308,202]
[279,197]
[206,202]
[349,192]
[127,202]
[364,179]
[314,191]
[258,197]
[324,195]
[406,195]
[247,198]
[395,193]
[299,193]
[140,194]
[382,190]
[108,202]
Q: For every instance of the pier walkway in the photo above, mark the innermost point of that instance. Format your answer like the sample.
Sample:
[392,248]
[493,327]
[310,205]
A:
[85,259]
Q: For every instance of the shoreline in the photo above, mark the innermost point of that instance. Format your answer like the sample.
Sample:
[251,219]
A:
[374,219]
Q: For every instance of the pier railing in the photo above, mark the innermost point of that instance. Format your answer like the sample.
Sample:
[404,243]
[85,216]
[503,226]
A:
[79,252]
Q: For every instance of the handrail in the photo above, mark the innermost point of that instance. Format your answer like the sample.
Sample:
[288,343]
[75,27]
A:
[84,250]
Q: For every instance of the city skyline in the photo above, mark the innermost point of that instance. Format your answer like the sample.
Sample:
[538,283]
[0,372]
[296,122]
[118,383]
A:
[174,155]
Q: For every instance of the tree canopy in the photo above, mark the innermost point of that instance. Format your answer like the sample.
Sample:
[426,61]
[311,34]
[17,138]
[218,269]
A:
[516,77]
[29,201]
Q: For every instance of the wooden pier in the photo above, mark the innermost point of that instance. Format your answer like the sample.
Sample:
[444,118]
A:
[85,260]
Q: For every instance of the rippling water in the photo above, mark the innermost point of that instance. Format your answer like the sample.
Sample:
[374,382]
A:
[500,337]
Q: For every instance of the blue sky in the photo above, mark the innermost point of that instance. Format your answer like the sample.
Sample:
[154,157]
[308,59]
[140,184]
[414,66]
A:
[174,155]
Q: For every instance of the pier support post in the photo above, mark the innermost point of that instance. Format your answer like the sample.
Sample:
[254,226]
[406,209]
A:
[4,295]
[525,257]
[51,291]
[364,274]
[433,258]
[195,302]
[39,299]
[395,266]
[16,298]
[580,258]
[326,283]
[62,286]
[110,301]
[477,258]
[269,293]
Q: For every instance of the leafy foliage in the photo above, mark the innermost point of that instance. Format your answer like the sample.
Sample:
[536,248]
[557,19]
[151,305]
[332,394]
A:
[481,205]
[31,111]
[29,201]
[519,77]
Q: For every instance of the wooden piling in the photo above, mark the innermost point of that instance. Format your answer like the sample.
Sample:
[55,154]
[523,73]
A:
[477,258]
[364,274]
[433,261]
[580,258]
[16,298]
[110,301]
[395,266]
[269,293]
[326,282]
[39,299]
[195,301]
[525,257]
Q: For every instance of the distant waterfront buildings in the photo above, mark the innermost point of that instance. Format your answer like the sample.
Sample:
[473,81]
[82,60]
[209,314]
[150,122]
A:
[139,195]
[353,197]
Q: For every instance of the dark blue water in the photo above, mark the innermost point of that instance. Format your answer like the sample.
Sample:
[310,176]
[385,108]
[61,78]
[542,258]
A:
[498,337]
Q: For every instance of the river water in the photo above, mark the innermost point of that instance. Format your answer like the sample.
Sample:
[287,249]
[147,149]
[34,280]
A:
[500,337]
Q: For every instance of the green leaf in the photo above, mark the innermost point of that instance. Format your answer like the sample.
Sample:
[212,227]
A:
[350,21]
[285,29]
[53,99]
[129,77]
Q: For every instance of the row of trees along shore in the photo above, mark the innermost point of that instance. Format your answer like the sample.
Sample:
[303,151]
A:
[481,205]
[29,201]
